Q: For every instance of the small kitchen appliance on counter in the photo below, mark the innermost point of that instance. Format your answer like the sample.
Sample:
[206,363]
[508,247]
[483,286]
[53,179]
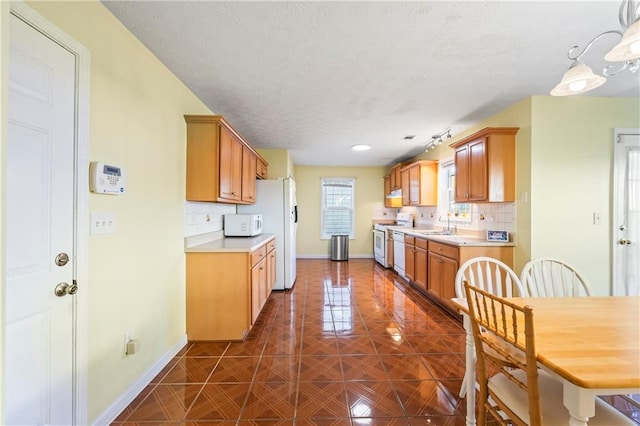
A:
[242,225]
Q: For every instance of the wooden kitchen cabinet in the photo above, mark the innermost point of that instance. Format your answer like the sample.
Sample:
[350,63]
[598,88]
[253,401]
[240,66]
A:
[404,177]
[420,182]
[226,292]
[249,174]
[271,267]
[444,261]
[261,168]
[387,191]
[409,259]
[395,178]
[219,162]
[420,264]
[390,249]
[485,165]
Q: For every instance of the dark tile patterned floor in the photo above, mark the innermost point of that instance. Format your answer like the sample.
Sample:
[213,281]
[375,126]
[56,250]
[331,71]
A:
[351,344]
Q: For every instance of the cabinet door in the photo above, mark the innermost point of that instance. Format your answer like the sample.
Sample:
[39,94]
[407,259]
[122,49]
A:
[477,170]
[420,266]
[387,190]
[449,270]
[390,250]
[271,272]
[261,169]
[409,261]
[258,279]
[414,185]
[405,187]
[461,159]
[249,167]
[230,166]
[436,270]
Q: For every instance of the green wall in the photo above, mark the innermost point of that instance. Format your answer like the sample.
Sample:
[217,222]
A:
[369,193]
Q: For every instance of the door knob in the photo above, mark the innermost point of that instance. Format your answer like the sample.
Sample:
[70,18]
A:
[62,289]
[624,241]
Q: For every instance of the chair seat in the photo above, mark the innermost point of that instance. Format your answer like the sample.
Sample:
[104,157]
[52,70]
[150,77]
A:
[553,411]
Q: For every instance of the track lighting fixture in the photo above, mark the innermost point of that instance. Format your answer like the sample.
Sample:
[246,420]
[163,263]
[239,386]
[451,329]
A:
[437,139]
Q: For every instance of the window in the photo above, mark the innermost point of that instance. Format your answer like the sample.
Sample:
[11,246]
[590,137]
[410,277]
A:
[338,200]
[447,187]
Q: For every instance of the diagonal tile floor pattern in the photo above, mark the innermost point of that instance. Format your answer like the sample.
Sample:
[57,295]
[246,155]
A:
[351,344]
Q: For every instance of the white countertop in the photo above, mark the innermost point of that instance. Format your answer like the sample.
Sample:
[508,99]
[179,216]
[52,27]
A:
[459,240]
[226,244]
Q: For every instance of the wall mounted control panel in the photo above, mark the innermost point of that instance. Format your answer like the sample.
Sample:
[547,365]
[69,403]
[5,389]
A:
[106,179]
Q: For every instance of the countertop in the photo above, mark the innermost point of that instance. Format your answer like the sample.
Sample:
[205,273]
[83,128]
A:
[225,244]
[459,240]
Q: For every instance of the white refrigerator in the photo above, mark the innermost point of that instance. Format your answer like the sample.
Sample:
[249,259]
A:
[276,201]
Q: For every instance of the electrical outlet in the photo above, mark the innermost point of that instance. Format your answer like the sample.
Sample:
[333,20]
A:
[103,223]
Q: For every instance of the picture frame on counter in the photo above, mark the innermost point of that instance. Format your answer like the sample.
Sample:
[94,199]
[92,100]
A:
[498,236]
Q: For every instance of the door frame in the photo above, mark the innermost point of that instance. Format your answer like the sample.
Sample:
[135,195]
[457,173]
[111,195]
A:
[615,213]
[81,199]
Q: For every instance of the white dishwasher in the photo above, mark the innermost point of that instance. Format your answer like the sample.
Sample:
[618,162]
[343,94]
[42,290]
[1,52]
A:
[398,253]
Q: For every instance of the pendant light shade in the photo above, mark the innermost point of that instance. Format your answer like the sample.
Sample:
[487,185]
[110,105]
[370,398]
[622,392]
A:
[629,46]
[578,79]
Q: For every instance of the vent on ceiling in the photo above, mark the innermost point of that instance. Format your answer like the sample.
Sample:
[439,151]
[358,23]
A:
[409,137]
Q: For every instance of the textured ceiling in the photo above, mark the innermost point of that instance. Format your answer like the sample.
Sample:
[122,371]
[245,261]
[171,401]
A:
[318,77]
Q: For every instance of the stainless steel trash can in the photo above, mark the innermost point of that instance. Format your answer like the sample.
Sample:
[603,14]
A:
[339,247]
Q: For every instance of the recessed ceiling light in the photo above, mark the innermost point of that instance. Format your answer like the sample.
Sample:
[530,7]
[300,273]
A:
[361,147]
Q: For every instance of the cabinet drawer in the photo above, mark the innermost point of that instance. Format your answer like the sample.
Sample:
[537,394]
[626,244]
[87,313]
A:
[258,255]
[409,240]
[271,245]
[421,242]
[444,250]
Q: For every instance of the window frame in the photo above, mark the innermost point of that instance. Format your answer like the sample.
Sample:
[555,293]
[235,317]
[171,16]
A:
[335,180]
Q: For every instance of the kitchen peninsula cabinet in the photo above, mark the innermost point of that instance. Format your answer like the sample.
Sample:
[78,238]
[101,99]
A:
[221,165]
[227,287]
[420,183]
[485,165]
[444,261]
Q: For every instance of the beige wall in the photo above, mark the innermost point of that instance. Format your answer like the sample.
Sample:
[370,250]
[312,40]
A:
[136,276]
[280,164]
[369,195]
[571,169]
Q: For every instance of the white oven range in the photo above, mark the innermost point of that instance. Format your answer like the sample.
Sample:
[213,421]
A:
[382,233]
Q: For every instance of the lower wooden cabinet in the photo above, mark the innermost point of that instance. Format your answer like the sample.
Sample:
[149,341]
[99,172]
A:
[409,258]
[226,291]
[420,264]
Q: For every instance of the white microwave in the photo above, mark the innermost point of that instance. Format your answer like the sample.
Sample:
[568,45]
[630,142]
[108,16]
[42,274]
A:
[242,225]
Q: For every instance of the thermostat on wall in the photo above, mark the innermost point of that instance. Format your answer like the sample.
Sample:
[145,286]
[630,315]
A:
[106,179]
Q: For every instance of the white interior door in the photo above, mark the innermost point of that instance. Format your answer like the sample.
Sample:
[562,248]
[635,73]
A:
[40,230]
[626,213]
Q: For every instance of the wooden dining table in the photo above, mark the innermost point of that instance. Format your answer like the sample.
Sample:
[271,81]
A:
[591,344]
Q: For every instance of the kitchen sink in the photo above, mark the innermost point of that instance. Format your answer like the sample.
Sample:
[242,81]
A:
[432,232]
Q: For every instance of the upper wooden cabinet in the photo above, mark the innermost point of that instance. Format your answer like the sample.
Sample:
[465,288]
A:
[420,183]
[261,168]
[221,165]
[395,178]
[485,166]
[249,175]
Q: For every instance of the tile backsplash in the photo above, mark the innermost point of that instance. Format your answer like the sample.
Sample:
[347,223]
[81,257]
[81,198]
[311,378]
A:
[201,218]
[498,216]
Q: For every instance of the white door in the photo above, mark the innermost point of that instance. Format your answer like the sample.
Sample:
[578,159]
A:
[40,230]
[626,213]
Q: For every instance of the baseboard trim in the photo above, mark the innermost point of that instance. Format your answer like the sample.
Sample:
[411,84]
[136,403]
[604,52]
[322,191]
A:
[326,256]
[111,413]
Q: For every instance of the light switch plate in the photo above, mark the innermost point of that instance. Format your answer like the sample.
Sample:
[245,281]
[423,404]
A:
[596,218]
[103,223]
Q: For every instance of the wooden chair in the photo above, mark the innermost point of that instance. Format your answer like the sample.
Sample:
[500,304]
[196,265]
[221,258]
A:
[491,275]
[546,277]
[519,393]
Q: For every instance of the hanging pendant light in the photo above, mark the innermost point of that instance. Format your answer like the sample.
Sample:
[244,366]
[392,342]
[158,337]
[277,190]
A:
[580,78]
